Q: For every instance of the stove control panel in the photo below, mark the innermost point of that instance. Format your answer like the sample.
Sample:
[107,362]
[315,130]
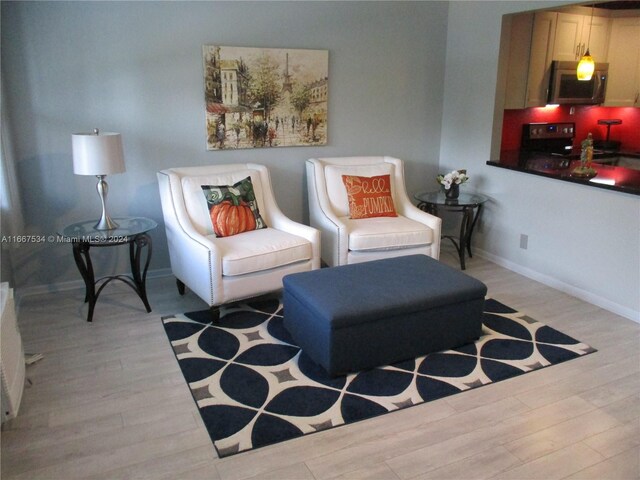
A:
[547,131]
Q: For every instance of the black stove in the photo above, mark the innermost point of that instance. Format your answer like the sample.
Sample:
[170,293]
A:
[547,147]
[554,138]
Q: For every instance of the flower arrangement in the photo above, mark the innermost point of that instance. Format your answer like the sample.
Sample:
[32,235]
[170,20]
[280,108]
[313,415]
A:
[455,177]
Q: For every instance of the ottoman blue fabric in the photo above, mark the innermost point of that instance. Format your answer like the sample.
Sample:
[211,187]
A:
[356,317]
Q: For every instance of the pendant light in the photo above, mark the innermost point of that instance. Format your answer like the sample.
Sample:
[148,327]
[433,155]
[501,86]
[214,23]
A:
[586,66]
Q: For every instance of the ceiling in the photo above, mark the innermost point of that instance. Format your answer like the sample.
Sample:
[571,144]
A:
[618,5]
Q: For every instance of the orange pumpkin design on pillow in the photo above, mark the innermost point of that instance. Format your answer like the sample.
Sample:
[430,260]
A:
[233,209]
[369,196]
[231,217]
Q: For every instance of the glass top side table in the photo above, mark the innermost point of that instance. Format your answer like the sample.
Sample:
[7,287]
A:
[130,230]
[469,204]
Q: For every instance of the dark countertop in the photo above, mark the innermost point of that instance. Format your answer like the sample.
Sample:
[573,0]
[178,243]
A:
[610,174]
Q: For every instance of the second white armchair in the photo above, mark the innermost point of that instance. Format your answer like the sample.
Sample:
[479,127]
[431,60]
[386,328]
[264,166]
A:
[346,240]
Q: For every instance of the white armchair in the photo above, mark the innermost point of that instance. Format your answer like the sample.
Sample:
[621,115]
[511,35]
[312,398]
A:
[227,269]
[345,240]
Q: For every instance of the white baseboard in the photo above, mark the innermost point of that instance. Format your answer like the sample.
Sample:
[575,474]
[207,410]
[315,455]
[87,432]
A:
[72,285]
[552,282]
[527,272]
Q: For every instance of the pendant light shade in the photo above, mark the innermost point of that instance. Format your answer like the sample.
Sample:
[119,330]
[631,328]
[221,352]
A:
[586,67]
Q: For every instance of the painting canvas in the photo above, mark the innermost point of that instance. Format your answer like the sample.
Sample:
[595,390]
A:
[265,97]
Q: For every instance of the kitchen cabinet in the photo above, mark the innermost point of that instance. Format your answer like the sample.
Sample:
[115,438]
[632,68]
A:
[519,29]
[575,33]
[542,42]
[530,49]
[623,88]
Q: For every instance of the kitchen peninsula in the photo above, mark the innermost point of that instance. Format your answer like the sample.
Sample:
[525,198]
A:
[617,146]
[559,167]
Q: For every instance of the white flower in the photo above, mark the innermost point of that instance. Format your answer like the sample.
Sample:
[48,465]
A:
[455,177]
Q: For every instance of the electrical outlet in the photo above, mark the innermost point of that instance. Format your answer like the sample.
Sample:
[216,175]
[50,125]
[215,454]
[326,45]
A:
[524,241]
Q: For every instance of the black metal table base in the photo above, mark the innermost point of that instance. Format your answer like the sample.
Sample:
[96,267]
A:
[138,244]
[470,215]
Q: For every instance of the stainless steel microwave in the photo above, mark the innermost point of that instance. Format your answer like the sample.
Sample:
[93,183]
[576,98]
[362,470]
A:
[565,88]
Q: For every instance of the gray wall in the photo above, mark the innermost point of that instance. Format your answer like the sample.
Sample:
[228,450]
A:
[582,240]
[136,68]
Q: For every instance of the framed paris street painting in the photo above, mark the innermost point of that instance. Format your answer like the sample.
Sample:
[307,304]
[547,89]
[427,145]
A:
[265,97]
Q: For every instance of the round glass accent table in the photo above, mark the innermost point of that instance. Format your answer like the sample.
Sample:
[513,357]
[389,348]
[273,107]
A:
[130,230]
[469,204]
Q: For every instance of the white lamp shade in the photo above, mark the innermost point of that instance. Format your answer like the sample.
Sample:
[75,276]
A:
[97,154]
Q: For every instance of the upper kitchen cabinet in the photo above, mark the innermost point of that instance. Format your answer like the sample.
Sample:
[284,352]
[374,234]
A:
[576,33]
[529,49]
[515,54]
[542,43]
[623,89]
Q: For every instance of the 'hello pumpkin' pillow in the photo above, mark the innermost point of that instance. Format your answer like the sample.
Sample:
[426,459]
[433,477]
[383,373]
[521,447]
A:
[233,208]
[369,196]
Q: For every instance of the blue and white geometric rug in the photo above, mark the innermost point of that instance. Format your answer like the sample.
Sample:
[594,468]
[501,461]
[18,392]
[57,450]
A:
[255,387]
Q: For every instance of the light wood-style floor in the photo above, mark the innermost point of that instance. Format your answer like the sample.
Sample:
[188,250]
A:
[108,401]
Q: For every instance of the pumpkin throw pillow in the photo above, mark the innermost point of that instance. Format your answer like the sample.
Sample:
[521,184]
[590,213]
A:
[233,208]
[369,196]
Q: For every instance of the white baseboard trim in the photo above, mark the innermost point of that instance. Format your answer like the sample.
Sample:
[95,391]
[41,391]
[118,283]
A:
[74,285]
[552,282]
[509,265]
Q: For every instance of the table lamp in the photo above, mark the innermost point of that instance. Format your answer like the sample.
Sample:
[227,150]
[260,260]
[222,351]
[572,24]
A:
[98,154]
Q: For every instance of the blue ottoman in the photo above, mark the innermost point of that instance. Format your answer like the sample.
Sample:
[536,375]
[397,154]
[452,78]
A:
[356,317]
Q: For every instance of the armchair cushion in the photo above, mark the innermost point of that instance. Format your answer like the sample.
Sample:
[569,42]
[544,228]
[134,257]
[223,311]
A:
[386,233]
[233,208]
[259,250]
[369,197]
